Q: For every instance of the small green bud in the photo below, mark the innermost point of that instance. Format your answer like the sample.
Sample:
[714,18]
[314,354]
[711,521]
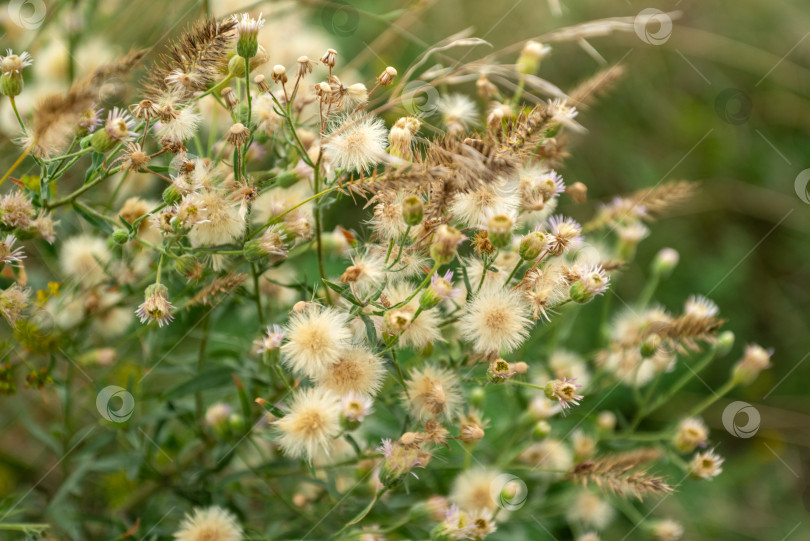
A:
[499,228]
[236,66]
[102,142]
[477,397]
[287,179]
[665,262]
[254,250]
[540,430]
[650,345]
[725,341]
[120,236]
[11,84]
[412,210]
[532,245]
[579,293]
[171,195]
[186,265]
[445,244]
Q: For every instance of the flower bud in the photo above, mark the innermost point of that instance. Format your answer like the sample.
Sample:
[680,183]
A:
[754,360]
[236,66]
[102,142]
[11,84]
[499,228]
[540,430]
[532,245]
[445,244]
[725,341]
[171,195]
[120,236]
[186,265]
[499,371]
[412,210]
[530,57]
[254,250]
[477,397]
[665,262]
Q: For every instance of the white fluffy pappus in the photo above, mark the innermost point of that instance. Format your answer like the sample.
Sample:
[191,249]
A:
[496,320]
[209,524]
[357,371]
[83,258]
[312,422]
[316,338]
[356,144]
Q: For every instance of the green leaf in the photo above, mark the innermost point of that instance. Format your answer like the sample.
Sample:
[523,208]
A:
[92,219]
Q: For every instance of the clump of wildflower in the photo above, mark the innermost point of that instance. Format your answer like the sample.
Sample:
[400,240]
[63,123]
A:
[354,408]
[209,524]
[84,258]
[706,465]
[270,243]
[563,233]
[311,424]
[432,392]
[563,391]
[156,306]
[530,57]
[400,138]
[458,112]
[316,339]
[357,370]
[667,530]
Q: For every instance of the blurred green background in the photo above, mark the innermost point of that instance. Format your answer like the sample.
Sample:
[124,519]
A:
[724,100]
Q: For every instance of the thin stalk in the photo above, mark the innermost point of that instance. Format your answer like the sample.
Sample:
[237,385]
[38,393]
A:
[718,394]
[16,163]
[400,373]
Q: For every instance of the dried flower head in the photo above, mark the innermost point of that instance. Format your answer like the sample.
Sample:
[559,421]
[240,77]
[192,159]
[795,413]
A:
[432,393]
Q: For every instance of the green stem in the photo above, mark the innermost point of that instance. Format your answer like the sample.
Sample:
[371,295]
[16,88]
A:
[257,293]
[400,373]
[684,379]
[718,394]
[247,90]
[514,271]
[17,114]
